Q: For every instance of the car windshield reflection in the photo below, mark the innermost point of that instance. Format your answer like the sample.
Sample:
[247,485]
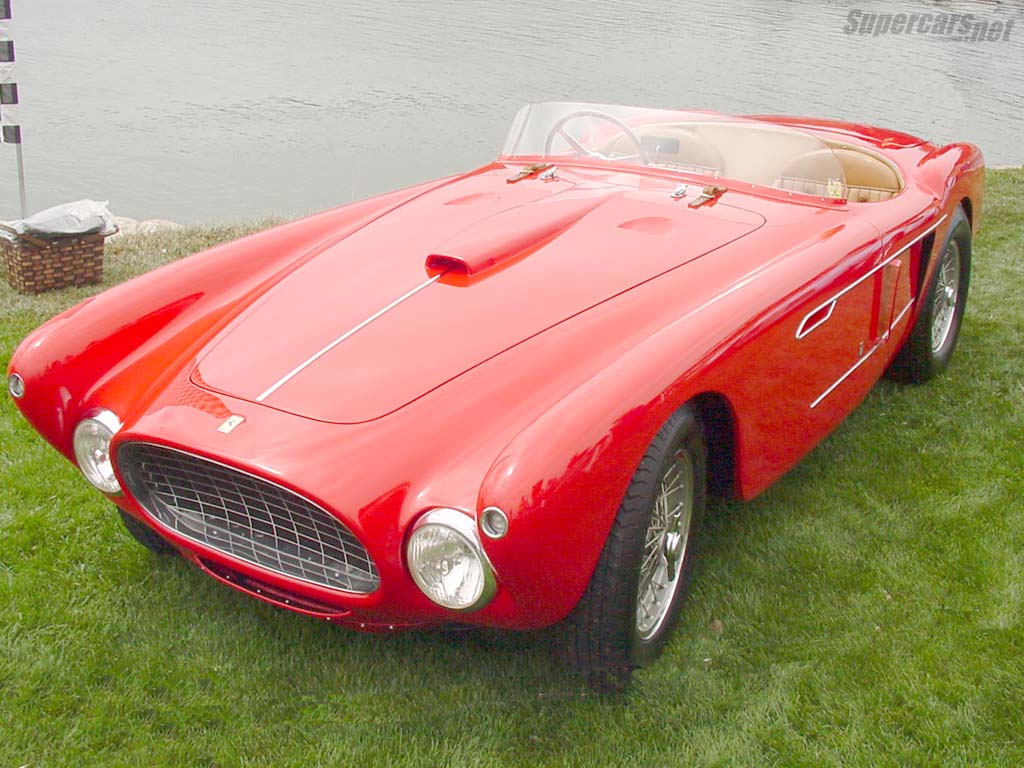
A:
[702,143]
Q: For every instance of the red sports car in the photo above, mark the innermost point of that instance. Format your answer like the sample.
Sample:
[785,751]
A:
[502,398]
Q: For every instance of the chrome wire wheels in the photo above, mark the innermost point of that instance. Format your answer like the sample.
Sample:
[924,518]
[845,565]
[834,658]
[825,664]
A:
[944,299]
[665,545]
[627,613]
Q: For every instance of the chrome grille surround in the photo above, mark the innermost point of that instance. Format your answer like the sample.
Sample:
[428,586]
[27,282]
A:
[246,517]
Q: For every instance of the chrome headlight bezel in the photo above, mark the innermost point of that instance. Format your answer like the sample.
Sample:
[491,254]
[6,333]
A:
[460,531]
[99,424]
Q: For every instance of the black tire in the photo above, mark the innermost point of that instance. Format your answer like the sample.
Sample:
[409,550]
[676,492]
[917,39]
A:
[146,536]
[603,638]
[930,345]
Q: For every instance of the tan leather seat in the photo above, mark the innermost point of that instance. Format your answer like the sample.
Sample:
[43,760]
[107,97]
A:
[802,185]
[866,178]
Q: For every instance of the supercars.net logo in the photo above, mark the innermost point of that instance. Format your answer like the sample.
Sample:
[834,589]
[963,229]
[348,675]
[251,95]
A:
[960,27]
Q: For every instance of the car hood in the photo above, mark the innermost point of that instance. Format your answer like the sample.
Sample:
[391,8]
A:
[449,279]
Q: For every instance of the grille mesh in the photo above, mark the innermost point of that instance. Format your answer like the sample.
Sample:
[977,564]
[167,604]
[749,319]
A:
[246,517]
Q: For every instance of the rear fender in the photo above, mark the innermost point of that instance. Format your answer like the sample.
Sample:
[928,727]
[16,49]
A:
[953,173]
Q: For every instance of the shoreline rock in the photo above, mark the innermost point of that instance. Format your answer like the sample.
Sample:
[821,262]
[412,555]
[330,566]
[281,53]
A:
[128,226]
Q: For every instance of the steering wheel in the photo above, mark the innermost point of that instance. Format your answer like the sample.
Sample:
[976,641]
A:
[558,129]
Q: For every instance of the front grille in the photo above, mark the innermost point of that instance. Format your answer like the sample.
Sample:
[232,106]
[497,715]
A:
[248,518]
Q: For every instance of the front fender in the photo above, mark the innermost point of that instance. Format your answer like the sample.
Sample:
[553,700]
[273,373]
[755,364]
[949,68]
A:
[152,323]
[561,478]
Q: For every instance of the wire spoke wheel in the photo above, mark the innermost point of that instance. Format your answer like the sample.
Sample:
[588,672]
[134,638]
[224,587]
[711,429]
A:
[947,291]
[624,619]
[665,545]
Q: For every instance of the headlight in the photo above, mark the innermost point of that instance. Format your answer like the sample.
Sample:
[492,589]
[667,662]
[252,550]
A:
[92,449]
[447,562]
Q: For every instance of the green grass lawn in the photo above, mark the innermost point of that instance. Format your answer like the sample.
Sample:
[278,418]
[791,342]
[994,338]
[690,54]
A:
[868,610]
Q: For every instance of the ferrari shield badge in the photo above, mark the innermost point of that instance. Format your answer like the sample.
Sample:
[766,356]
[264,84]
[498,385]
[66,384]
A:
[230,423]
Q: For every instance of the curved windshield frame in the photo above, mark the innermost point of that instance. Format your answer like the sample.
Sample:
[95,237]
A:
[702,143]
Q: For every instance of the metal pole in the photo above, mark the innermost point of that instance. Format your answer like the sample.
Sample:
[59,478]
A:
[21,181]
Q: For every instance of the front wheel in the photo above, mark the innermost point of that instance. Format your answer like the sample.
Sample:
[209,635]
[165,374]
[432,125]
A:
[929,347]
[632,602]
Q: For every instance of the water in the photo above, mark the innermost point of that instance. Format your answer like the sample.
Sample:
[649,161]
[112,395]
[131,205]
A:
[230,109]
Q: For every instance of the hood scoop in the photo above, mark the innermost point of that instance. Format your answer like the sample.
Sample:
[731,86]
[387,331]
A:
[499,240]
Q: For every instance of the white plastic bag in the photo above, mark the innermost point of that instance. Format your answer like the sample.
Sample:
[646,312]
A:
[81,217]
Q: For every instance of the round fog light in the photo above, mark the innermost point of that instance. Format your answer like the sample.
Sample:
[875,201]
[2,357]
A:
[16,385]
[493,522]
[92,449]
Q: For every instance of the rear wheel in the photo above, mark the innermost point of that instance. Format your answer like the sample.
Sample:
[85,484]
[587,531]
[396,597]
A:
[632,602]
[146,536]
[929,348]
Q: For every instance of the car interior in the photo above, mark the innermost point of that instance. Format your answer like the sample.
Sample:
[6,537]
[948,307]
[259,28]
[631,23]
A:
[766,155]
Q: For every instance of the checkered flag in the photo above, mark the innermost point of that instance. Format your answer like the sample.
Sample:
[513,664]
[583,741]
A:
[8,85]
[10,123]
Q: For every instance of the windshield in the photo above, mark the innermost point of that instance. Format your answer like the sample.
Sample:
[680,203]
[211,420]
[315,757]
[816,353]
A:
[704,143]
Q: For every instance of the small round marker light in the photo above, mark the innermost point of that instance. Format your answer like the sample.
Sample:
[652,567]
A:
[493,522]
[16,386]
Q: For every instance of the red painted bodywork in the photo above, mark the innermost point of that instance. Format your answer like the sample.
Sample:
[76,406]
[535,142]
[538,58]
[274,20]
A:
[570,319]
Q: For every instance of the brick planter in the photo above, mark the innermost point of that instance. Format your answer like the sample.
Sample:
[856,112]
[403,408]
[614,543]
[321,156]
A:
[55,264]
